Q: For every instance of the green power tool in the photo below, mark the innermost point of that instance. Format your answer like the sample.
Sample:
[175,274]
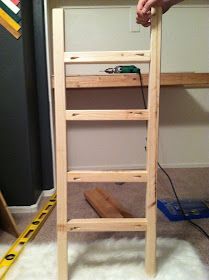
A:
[123,69]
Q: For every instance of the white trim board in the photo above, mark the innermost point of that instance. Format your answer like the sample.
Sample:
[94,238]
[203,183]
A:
[31,208]
[34,208]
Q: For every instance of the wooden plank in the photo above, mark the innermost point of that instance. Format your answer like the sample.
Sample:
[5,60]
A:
[107,115]
[101,205]
[101,81]
[61,138]
[185,79]
[107,225]
[152,141]
[107,57]
[9,20]
[7,222]
[107,176]
[11,30]
[132,80]
[115,203]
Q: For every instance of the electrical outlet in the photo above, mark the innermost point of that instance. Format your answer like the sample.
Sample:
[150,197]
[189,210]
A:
[134,27]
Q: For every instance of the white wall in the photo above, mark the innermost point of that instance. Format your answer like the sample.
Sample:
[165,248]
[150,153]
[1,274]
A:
[184,115]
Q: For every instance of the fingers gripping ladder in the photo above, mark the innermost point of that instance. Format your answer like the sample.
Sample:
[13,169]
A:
[62,116]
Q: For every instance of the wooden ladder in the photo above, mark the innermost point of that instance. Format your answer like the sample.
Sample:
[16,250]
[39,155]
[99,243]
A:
[62,116]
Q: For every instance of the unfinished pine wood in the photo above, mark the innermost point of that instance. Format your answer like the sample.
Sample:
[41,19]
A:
[107,115]
[107,224]
[61,138]
[107,57]
[7,222]
[152,141]
[200,80]
[107,176]
[105,204]
[115,203]
[101,205]
[147,224]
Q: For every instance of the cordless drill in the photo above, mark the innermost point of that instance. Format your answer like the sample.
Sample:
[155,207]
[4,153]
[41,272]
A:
[123,69]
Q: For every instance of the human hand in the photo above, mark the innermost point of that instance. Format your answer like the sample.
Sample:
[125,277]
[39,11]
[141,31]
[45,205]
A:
[144,10]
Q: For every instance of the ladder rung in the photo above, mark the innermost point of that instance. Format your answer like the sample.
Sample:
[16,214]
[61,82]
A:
[107,57]
[107,224]
[107,115]
[107,176]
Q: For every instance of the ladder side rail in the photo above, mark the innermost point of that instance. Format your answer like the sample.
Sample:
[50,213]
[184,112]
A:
[152,140]
[61,139]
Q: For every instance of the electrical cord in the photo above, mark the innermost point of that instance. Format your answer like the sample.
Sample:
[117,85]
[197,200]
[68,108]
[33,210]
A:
[167,175]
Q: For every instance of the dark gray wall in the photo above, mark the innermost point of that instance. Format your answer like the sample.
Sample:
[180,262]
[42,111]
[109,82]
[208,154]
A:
[42,90]
[21,164]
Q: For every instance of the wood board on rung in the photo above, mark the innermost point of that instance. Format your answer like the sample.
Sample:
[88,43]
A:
[7,222]
[105,205]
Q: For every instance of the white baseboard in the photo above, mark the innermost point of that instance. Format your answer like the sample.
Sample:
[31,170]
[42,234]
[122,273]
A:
[31,208]
[49,192]
[34,208]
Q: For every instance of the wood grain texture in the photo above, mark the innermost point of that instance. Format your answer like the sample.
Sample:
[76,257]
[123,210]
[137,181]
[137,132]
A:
[107,176]
[101,205]
[147,224]
[107,57]
[152,141]
[107,115]
[107,225]
[115,203]
[9,28]
[61,145]
[7,222]
[132,80]
[105,204]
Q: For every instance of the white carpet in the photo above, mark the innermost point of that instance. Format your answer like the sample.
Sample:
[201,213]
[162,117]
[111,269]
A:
[110,260]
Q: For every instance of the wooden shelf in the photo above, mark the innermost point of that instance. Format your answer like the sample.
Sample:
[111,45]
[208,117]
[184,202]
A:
[195,80]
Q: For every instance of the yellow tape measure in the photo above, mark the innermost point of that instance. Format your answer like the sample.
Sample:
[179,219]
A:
[28,234]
